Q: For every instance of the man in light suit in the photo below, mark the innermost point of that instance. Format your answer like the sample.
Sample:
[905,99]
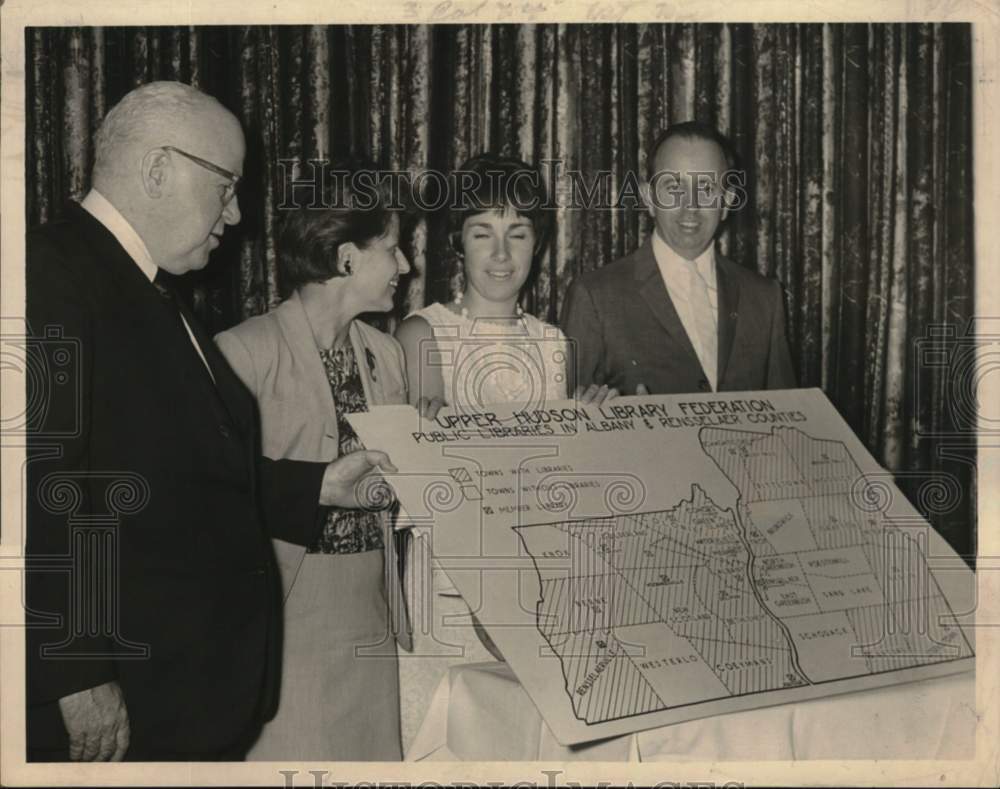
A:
[675,316]
[163,643]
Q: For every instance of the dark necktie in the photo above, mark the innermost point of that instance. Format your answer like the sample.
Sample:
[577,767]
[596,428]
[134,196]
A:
[176,307]
[166,290]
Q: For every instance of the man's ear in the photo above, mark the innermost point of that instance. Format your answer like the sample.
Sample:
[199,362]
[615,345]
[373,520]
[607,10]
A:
[734,192]
[345,252]
[155,172]
[727,196]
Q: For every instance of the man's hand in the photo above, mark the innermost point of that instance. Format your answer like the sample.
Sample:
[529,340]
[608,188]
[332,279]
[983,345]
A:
[594,394]
[428,409]
[345,478]
[97,723]
[641,389]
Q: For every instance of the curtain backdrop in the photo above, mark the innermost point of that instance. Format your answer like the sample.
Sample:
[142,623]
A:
[856,140]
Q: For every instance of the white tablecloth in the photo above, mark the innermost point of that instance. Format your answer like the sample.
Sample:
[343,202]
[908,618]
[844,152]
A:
[480,712]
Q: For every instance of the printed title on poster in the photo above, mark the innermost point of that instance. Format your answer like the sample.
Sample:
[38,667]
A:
[606,418]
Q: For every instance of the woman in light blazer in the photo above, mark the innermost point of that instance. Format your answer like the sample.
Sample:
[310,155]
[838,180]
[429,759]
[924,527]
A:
[309,362]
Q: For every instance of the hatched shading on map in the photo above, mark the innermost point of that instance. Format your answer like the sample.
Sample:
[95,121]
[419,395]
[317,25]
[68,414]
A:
[799,585]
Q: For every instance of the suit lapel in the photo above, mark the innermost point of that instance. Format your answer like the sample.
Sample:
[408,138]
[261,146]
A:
[227,388]
[654,293]
[728,310]
[157,316]
[370,381]
[139,299]
[298,335]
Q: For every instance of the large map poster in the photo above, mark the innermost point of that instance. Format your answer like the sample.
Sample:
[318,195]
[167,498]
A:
[657,559]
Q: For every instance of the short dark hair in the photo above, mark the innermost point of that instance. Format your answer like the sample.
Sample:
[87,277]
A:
[489,182]
[691,130]
[355,208]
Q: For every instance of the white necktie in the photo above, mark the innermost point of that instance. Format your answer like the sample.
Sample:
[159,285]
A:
[704,322]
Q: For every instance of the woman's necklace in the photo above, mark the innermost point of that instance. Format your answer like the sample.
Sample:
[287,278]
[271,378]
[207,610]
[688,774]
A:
[464,311]
[510,382]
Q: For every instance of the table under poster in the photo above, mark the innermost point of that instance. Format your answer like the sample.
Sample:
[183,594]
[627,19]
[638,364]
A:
[660,559]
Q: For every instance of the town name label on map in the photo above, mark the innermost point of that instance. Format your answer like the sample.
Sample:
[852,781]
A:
[605,418]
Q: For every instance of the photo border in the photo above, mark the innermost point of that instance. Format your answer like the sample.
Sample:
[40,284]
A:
[18,14]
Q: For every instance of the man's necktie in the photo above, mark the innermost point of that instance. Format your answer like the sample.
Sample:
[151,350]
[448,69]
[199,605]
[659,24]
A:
[165,288]
[166,291]
[705,322]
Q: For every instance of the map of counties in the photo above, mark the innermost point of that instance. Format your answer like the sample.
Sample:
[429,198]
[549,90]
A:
[806,582]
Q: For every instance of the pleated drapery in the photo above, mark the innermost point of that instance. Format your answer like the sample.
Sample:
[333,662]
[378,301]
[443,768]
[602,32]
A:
[856,140]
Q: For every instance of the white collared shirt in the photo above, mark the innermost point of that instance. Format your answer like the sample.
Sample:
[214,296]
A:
[97,206]
[673,269]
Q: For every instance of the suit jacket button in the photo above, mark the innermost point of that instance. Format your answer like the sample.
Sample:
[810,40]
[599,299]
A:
[704,385]
[224,431]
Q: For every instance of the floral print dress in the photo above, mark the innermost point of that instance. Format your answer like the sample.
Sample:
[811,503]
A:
[347,530]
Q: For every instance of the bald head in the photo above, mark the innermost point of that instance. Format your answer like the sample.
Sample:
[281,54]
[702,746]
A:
[153,115]
[167,156]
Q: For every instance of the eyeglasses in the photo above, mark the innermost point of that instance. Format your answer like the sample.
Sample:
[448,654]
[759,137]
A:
[234,179]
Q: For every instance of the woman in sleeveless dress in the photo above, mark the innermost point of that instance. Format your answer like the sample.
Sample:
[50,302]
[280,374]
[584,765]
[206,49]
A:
[481,348]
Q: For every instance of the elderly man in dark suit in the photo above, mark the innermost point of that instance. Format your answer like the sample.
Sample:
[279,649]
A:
[163,641]
[675,316]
